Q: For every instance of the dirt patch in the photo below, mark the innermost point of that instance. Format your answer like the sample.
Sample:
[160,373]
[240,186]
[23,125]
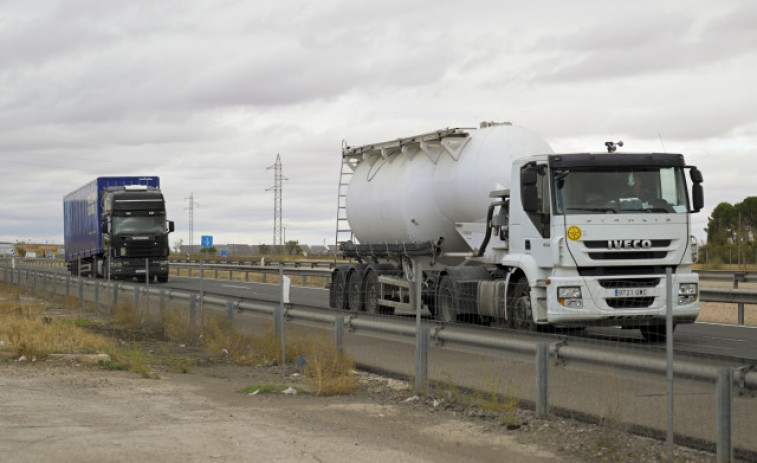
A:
[190,406]
[62,410]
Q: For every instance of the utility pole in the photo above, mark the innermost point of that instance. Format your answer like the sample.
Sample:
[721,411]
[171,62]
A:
[278,178]
[191,209]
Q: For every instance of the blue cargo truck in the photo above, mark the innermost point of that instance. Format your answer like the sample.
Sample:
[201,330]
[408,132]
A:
[117,226]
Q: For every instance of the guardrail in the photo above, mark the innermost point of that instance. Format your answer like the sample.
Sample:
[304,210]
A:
[322,270]
[265,271]
[725,376]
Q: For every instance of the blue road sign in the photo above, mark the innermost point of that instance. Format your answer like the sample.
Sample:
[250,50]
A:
[224,253]
[207,241]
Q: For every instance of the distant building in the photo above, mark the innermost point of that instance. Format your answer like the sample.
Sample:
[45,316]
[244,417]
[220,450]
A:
[6,248]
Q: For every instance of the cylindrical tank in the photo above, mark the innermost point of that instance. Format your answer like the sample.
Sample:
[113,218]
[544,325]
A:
[419,194]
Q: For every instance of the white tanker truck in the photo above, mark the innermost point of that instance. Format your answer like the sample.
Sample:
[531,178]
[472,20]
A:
[506,231]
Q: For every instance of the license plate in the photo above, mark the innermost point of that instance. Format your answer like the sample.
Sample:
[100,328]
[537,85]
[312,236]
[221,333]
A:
[630,292]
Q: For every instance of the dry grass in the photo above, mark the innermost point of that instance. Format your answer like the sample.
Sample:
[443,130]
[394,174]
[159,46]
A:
[326,370]
[486,396]
[177,326]
[124,315]
[27,332]
[223,338]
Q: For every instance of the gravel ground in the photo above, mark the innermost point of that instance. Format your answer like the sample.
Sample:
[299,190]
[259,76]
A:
[63,409]
[68,411]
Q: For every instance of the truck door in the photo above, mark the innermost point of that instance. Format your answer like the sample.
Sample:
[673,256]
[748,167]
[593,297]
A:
[536,203]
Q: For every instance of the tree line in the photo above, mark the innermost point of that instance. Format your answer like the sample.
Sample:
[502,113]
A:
[731,230]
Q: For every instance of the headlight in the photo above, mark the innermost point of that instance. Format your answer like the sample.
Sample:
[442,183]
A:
[687,293]
[570,296]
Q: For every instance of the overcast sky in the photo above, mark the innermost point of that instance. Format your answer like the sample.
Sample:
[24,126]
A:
[205,94]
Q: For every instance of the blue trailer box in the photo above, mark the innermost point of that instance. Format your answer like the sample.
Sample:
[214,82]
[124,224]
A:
[82,214]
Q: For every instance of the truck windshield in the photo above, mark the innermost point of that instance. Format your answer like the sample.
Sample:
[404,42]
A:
[620,190]
[141,225]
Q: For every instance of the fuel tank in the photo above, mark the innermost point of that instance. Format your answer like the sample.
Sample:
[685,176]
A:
[417,190]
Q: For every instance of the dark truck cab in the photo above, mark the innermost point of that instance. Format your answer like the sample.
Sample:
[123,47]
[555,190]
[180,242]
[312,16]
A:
[117,226]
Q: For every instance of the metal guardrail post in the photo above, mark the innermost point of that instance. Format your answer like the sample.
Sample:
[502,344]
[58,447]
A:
[162,300]
[542,372]
[230,310]
[80,283]
[115,298]
[339,333]
[136,299]
[669,355]
[736,277]
[147,283]
[279,316]
[421,360]
[724,420]
[421,334]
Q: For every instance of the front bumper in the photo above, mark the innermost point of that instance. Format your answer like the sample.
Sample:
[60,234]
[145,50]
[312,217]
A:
[127,268]
[632,301]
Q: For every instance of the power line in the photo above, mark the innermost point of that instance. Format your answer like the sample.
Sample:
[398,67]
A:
[278,178]
[191,209]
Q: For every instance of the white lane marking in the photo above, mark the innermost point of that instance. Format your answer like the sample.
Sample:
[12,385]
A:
[236,286]
[733,325]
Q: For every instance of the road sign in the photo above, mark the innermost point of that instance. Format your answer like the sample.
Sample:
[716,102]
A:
[207,241]
[224,253]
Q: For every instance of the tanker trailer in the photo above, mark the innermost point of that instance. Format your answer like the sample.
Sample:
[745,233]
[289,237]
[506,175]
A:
[505,230]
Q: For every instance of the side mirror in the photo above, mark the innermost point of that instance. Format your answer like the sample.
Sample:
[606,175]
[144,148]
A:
[528,176]
[170,226]
[697,196]
[696,175]
[530,199]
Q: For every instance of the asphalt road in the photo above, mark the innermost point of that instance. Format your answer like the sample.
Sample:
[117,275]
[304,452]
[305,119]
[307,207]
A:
[732,342]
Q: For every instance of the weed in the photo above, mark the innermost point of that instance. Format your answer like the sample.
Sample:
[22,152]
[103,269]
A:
[221,336]
[125,315]
[270,388]
[177,326]
[486,396]
[326,370]
[137,360]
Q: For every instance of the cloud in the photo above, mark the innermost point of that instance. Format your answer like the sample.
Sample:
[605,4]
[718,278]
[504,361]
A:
[206,94]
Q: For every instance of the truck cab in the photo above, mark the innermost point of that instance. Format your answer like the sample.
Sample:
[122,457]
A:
[134,228]
[595,233]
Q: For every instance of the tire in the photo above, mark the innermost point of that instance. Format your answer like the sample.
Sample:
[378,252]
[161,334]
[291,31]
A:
[521,315]
[370,292]
[446,301]
[354,291]
[162,278]
[338,288]
[654,333]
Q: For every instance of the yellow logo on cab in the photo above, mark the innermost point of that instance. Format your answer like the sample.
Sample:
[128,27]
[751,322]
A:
[574,233]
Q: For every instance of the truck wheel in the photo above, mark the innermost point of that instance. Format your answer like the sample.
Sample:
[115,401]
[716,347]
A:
[521,314]
[354,296]
[162,278]
[446,302]
[338,286]
[370,292]
[654,333]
